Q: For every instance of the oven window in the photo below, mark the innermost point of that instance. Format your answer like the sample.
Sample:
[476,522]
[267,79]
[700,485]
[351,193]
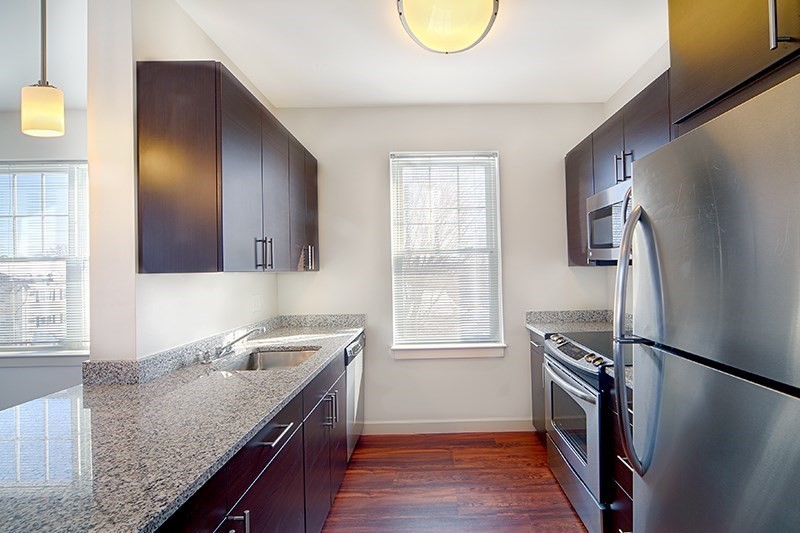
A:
[569,420]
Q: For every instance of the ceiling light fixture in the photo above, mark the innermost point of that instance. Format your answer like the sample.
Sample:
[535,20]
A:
[42,105]
[447,26]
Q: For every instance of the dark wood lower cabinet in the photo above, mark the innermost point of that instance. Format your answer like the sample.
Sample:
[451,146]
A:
[286,477]
[275,501]
[316,444]
[339,435]
[620,515]
[325,447]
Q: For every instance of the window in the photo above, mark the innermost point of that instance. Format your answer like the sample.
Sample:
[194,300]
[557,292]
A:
[44,259]
[445,250]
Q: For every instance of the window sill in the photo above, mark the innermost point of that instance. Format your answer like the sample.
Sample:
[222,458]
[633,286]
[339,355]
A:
[449,351]
[35,354]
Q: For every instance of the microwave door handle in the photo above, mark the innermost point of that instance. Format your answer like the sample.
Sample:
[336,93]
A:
[564,384]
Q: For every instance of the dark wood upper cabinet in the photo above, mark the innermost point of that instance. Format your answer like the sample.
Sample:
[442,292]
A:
[607,157]
[608,141]
[642,126]
[578,169]
[718,46]
[219,187]
[178,156]
[297,205]
[312,215]
[240,129]
[275,168]
[646,121]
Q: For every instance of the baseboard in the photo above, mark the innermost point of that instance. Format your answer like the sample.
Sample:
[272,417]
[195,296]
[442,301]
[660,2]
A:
[402,427]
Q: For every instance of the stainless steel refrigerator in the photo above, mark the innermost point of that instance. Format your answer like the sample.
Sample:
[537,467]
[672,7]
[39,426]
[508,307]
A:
[715,238]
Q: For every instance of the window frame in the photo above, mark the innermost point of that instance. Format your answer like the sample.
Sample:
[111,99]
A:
[67,348]
[432,350]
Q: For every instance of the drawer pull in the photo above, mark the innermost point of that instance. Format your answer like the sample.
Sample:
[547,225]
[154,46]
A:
[244,518]
[286,429]
[625,462]
[535,345]
[620,531]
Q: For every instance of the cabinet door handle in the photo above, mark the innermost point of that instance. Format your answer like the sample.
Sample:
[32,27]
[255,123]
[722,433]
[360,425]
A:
[270,254]
[625,157]
[286,429]
[335,407]
[244,518]
[535,345]
[616,168]
[330,419]
[262,241]
[625,462]
[774,39]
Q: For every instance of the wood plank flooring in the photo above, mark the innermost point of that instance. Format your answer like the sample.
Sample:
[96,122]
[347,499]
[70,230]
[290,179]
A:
[474,482]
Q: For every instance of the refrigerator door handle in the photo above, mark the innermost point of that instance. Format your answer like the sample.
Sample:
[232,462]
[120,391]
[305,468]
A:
[620,294]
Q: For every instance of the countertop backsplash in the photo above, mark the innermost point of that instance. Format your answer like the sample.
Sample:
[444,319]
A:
[162,363]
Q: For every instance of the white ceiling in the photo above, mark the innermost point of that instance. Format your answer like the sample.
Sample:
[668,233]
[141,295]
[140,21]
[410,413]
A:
[320,53]
[20,49]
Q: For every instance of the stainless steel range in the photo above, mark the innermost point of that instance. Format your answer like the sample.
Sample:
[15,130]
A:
[577,388]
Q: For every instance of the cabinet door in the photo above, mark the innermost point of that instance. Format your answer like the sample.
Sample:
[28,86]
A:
[202,512]
[339,435]
[647,124]
[275,173]
[297,206]
[240,126]
[608,144]
[317,460]
[176,122]
[311,215]
[537,387]
[578,169]
[275,501]
[716,46]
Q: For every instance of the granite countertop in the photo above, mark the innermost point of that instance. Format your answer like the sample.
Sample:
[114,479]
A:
[125,457]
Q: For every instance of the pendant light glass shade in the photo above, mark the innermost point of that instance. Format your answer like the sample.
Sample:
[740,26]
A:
[42,105]
[447,26]
[42,111]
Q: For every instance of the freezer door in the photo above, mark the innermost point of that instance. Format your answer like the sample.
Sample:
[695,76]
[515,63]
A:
[724,452]
[723,202]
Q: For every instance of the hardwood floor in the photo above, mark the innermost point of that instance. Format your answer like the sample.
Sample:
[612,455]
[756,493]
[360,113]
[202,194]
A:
[457,482]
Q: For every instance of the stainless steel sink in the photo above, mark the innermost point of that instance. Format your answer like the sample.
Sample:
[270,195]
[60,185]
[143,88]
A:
[266,360]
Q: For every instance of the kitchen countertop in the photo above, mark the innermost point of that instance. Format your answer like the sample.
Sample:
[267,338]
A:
[125,457]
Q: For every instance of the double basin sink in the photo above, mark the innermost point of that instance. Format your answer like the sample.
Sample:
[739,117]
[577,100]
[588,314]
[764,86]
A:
[264,359]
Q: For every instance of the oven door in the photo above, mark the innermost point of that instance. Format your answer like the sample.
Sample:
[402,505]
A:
[572,421]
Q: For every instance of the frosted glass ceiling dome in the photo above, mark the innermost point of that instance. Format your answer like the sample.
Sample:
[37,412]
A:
[447,26]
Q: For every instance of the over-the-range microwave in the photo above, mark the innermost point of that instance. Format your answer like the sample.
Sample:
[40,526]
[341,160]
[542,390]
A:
[606,214]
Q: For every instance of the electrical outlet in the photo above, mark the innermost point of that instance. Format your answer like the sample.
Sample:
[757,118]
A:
[256,303]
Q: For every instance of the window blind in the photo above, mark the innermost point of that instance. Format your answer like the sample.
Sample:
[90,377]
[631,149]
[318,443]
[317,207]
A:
[44,257]
[445,248]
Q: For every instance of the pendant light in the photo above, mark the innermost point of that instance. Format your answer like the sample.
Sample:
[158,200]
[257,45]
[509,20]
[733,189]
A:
[447,26]
[42,105]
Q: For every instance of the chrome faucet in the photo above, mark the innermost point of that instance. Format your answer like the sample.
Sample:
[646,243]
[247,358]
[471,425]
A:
[228,348]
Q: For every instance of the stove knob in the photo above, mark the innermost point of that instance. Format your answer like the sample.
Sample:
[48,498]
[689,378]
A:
[599,361]
[590,358]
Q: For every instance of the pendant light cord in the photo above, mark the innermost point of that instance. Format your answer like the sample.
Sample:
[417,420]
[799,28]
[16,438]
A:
[43,81]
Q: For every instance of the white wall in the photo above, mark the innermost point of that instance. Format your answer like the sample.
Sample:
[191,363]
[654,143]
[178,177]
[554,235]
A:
[15,146]
[352,146]
[136,315]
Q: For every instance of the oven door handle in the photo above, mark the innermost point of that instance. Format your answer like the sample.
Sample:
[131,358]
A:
[555,375]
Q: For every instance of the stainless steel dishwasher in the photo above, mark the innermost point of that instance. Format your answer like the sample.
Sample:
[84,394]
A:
[354,361]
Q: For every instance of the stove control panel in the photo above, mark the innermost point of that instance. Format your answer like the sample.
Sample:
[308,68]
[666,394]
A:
[577,354]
